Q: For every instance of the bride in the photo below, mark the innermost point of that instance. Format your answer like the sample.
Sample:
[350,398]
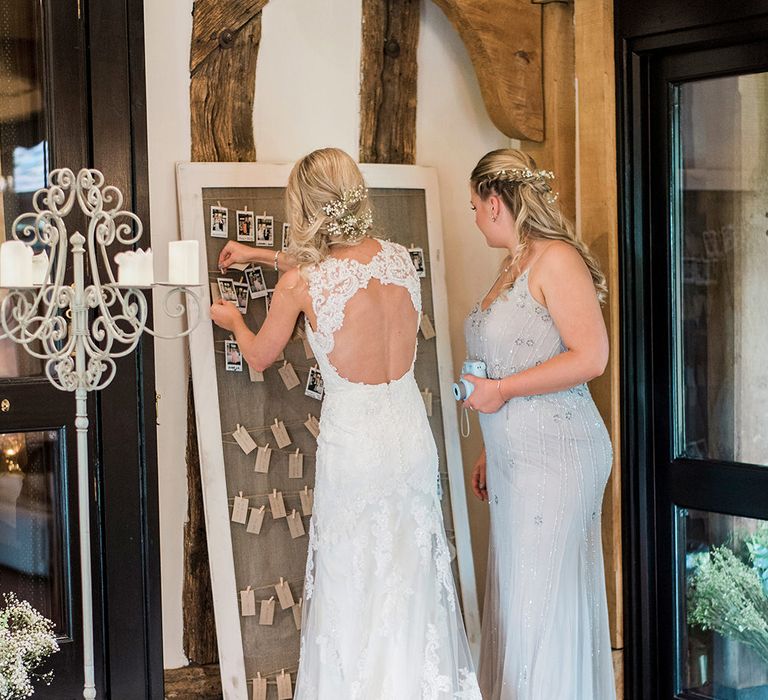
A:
[381,617]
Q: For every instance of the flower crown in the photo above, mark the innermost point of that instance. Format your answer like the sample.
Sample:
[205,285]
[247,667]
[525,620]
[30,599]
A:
[342,222]
[537,178]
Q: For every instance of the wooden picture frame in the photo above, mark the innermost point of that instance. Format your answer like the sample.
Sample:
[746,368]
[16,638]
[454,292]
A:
[193,179]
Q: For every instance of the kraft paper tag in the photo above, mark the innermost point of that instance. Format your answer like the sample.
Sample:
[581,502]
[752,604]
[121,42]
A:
[215,293]
[263,455]
[284,594]
[308,353]
[284,689]
[313,425]
[256,520]
[254,375]
[295,525]
[259,688]
[289,376]
[276,504]
[267,612]
[248,602]
[307,500]
[295,465]
[240,509]
[297,613]
[427,329]
[427,396]
[281,434]
[243,438]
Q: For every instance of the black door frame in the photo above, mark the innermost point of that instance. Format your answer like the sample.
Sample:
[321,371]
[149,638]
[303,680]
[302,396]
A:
[95,80]
[656,45]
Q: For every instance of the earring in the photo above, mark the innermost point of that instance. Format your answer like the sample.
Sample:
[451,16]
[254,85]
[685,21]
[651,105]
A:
[493,218]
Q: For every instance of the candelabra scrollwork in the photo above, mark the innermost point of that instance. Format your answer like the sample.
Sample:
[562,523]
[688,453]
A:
[104,320]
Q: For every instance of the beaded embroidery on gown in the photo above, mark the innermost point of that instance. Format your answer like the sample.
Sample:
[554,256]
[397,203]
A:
[545,619]
[381,618]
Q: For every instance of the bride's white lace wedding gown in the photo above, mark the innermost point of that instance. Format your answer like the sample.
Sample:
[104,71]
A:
[381,618]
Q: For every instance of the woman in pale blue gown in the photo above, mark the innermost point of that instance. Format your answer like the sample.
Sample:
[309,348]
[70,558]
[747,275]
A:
[547,454]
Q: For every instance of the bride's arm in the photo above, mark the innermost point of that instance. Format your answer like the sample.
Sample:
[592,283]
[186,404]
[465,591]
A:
[566,285]
[234,252]
[261,349]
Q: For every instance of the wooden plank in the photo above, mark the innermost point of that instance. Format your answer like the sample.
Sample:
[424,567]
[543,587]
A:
[557,151]
[225,46]
[199,636]
[193,682]
[388,70]
[503,38]
[598,224]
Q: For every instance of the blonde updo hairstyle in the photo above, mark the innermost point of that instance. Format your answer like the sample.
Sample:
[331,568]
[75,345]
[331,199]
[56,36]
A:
[316,180]
[530,200]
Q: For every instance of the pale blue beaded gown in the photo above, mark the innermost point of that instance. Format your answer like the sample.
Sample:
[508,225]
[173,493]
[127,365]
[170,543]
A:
[545,620]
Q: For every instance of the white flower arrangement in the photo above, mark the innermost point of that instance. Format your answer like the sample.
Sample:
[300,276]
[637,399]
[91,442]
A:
[26,641]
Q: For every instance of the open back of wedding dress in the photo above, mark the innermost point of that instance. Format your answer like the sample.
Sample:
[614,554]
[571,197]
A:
[381,618]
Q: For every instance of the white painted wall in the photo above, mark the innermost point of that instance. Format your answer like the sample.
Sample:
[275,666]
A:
[307,96]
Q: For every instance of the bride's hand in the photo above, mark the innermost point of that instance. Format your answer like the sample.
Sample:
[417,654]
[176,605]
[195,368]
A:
[485,397]
[233,253]
[479,485]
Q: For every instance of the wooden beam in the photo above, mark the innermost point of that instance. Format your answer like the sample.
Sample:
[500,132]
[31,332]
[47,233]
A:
[503,38]
[222,64]
[225,45]
[199,635]
[388,69]
[598,223]
[557,150]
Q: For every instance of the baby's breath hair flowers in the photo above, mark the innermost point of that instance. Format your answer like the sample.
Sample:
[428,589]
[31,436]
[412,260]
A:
[342,221]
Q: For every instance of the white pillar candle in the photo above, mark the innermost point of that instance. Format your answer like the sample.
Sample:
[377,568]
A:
[16,264]
[135,268]
[40,268]
[184,262]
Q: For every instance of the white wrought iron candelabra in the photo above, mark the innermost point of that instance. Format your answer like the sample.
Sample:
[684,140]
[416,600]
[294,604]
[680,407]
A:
[80,329]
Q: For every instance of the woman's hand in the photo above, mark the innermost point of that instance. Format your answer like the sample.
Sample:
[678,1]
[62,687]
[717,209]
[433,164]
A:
[233,253]
[485,397]
[479,485]
[225,315]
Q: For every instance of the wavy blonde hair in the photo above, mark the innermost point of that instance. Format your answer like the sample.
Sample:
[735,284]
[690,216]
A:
[531,203]
[316,180]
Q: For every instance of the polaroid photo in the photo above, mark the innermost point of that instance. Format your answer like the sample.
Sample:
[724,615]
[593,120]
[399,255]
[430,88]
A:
[219,221]
[286,233]
[257,287]
[268,298]
[233,356]
[245,229]
[417,258]
[265,231]
[315,387]
[227,289]
[241,290]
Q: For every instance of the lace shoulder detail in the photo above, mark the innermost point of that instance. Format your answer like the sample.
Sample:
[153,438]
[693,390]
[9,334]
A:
[334,281]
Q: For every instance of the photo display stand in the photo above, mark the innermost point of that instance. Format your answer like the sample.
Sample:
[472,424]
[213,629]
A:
[250,476]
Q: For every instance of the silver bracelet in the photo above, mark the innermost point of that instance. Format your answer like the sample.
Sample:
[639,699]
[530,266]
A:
[498,388]
[277,252]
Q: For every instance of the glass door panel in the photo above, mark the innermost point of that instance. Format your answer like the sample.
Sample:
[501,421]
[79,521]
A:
[719,208]
[34,542]
[723,626]
[24,147]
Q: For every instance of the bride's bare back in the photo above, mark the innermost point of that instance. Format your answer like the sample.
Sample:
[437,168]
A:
[365,311]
